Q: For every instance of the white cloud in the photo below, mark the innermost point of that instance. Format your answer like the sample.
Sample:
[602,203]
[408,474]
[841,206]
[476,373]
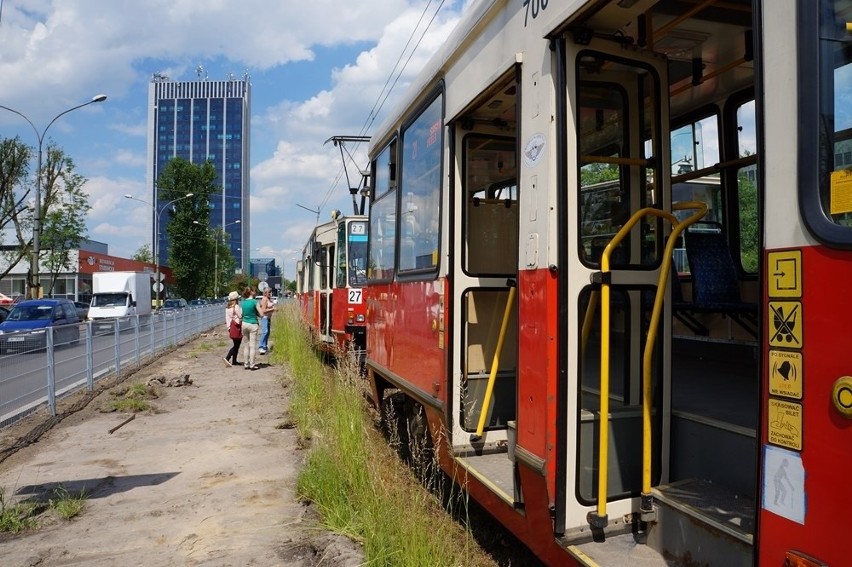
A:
[58,53]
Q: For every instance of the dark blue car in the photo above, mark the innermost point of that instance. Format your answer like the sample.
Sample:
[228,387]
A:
[26,326]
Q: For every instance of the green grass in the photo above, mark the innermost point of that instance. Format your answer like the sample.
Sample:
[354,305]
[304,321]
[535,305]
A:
[133,399]
[25,515]
[352,475]
[19,517]
[66,504]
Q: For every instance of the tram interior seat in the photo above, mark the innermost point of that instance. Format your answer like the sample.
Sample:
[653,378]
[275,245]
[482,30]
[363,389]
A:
[715,285]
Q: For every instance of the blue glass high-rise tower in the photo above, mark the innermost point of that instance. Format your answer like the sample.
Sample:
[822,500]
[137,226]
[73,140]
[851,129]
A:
[202,121]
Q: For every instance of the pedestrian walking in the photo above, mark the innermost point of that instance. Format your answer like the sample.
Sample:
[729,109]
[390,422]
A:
[251,317]
[233,321]
[266,309]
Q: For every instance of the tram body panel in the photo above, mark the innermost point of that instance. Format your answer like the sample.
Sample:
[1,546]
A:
[806,438]
[406,335]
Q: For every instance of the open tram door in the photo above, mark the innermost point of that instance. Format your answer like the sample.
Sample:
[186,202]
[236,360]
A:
[324,257]
[659,421]
[617,134]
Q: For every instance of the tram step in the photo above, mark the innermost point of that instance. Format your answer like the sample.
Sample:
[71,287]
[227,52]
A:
[698,523]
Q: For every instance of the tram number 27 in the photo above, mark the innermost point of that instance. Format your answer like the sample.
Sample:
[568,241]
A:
[533,7]
[355,296]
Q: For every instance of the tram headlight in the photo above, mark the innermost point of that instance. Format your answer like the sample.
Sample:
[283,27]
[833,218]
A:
[359,318]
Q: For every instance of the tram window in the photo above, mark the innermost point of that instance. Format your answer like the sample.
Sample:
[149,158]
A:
[835,110]
[357,251]
[420,183]
[615,177]
[695,145]
[327,267]
[746,190]
[604,203]
[382,237]
[826,120]
[384,174]
[340,277]
[383,215]
[491,205]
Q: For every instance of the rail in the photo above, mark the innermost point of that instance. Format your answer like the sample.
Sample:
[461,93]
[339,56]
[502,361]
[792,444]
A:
[35,373]
[598,519]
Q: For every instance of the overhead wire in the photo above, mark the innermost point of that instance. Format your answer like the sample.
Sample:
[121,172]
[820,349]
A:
[386,91]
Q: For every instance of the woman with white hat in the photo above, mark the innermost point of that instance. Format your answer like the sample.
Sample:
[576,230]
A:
[233,321]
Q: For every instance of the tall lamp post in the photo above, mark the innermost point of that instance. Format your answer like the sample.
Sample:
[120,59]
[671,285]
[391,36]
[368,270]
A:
[157,213]
[35,284]
[216,257]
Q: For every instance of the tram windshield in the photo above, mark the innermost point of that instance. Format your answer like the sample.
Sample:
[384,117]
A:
[357,253]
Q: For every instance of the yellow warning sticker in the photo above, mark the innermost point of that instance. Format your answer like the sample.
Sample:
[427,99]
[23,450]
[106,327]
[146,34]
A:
[841,192]
[785,324]
[785,424]
[785,274]
[785,374]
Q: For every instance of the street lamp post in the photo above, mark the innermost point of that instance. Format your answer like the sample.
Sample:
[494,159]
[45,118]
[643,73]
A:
[35,284]
[157,213]
[216,257]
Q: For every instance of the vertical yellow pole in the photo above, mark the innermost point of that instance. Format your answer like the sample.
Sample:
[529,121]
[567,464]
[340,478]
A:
[495,364]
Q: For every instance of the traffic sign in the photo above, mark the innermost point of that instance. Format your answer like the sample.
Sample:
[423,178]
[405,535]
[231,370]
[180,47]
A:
[158,287]
[263,286]
[263,276]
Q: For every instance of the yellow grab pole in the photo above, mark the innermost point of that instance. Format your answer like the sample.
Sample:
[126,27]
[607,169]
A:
[599,518]
[495,363]
[677,228]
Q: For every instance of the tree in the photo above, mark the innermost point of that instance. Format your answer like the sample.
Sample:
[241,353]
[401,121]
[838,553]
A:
[65,207]
[14,169]
[240,281]
[748,220]
[143,254]
[191,247]
[225,265]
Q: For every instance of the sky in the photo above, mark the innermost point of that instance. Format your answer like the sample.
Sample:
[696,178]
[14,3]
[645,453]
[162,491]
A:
[318,69]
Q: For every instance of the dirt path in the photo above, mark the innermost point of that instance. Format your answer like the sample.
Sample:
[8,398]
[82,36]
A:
[209,479]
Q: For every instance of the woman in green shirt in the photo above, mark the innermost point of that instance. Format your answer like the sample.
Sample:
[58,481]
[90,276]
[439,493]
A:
[251,316]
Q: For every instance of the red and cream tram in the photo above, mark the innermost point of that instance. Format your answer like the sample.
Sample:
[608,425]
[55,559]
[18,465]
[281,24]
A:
[330,281]
[609,248]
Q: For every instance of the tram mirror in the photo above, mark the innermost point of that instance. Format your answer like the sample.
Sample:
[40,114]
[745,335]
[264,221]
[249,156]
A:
[300,266]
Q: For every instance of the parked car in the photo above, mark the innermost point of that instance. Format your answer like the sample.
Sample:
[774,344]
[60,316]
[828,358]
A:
[198,302]
[170,306]
[25,328]
[82,310]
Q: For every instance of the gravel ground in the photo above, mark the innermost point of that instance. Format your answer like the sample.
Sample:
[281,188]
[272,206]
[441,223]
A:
[207,478]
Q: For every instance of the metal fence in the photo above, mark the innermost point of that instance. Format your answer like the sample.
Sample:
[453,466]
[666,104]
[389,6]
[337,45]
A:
[38,372]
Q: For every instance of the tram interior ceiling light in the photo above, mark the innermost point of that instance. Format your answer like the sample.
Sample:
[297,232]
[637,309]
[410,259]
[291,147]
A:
[626,3]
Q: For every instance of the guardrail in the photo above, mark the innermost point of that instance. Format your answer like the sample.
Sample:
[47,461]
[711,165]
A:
[38,372]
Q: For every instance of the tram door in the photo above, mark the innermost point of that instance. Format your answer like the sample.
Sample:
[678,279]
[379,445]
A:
[486,225]
[326,265]
[617,115]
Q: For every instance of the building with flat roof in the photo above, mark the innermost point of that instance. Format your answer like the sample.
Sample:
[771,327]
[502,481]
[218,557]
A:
[74,279]
[200,121]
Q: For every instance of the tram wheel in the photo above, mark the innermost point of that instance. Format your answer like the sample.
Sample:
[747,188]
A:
[420,447]
[394,425]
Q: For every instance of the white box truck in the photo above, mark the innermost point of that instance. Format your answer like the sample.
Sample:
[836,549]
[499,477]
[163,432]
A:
[119,295]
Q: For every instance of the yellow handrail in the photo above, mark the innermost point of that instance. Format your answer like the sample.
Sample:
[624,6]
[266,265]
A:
[495,363]
[599,519]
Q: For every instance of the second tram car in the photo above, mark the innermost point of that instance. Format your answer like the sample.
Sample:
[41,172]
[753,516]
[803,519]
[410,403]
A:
[330,280]
[608,247]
